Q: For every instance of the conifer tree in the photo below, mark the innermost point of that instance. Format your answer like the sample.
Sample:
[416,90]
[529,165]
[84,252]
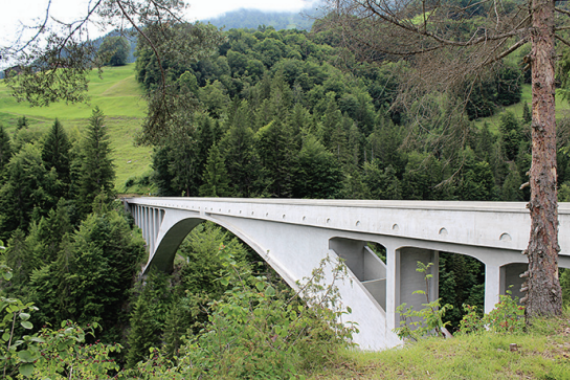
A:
[205,141]
[97,172]
[27,187]
[22,123]
[147,317]
[244,167]
[145,331]
[319,174]
[56,151]
[484,143]
[46,236]
[161,175]
[330,124]
[19,257]
[527,115]
[275,145]
[511,187]
[216,180]
[5,150]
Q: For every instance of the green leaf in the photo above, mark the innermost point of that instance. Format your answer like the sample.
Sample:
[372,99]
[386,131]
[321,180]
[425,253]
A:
[24,316]
[26,356]
[259,285]
[27,369]
[270,291]
[7,276]
[224,281]
[6,336]
[27,325]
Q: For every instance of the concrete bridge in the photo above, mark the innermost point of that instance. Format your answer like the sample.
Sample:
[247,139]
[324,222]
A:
[293,236]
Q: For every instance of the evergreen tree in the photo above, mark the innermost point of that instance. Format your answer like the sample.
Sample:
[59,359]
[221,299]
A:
[22,123]
[381,184]
[511,187]
[20,258]
[93,272]
[28,186]
[56,154]
[5,150]
[46,236]
[114,51]
[275,145]
[330,124]
[319,174]
[161,175]
[147,318]
[184,160]
[215,178]
[527,115]
[205,139]
[511,134]
[477,179]
[484,143]
[96,171]
[244,167]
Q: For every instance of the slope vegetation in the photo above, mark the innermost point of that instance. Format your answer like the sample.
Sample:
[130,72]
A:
[118,95]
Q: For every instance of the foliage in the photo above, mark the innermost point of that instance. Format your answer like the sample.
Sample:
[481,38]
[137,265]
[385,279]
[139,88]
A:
[55,354]
[258,331]
[168,307]
[114,51]
[507,316]
[96,172]
[428,320]
[90,279]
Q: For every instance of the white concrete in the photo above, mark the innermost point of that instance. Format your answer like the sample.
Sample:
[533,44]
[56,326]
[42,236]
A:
[293,236]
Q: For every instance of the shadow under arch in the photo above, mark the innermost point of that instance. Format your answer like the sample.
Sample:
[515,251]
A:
[170,241]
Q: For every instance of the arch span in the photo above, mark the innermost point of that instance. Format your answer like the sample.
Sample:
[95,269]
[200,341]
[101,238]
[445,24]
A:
[293,236]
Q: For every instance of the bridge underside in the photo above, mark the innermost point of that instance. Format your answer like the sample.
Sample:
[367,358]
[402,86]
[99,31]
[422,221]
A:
[375,287]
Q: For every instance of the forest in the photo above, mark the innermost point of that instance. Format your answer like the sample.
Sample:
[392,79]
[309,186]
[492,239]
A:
[282,114]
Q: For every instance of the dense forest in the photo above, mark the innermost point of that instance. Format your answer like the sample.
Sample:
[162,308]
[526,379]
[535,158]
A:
[285,114]
[290,114]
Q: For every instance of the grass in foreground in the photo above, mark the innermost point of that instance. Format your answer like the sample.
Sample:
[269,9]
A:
[543,353]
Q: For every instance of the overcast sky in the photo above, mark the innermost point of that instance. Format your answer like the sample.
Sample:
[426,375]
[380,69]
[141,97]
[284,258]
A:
[14,13]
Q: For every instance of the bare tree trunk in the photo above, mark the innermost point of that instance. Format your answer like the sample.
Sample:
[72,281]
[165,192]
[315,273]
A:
[545,296]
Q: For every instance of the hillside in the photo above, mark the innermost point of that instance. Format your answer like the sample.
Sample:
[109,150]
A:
[118,95]
[251,18]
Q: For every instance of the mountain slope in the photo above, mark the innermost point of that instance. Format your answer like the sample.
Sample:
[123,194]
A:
[118,95]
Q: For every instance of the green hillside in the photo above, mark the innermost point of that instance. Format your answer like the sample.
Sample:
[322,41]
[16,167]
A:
[562,108]
[118,95]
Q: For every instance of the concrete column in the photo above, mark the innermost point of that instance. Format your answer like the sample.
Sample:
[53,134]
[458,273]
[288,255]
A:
[152,229]
[493,286]
[411,280]
[146,226]
[392,286]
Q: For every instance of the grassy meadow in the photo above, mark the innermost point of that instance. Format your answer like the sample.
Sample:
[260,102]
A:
[562,109]
[118,95]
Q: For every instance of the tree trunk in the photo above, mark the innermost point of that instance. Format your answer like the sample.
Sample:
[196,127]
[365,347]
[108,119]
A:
[545,296]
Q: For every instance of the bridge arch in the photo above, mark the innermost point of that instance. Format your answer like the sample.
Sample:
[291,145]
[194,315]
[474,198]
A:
[169,242]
